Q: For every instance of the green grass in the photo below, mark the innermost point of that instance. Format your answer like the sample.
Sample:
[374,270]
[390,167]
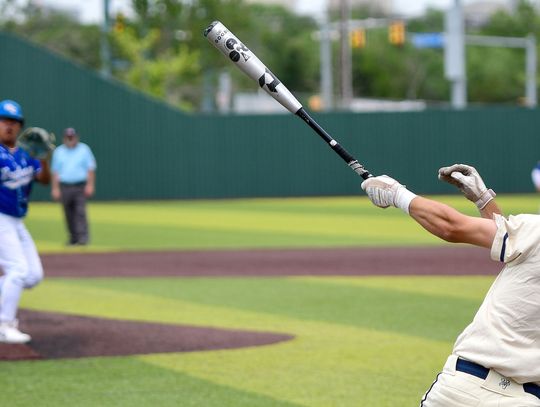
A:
[248,223]
[359,341]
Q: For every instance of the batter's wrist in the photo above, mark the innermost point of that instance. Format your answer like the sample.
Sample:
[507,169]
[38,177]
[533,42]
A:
[485,198]
[404,198]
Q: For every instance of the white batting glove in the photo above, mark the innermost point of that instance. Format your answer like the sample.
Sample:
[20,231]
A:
[384,191]
[469,181]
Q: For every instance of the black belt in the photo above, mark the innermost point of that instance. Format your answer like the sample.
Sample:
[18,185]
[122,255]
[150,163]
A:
[73,184]
[482,372]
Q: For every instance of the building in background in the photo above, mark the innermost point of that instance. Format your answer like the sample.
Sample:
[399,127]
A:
[384,6]
[479,12]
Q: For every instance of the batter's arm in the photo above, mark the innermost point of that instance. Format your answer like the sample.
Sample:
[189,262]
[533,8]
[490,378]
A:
[490,209]
[448,224]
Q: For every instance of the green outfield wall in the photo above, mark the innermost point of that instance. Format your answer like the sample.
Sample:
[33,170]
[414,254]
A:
[148,150]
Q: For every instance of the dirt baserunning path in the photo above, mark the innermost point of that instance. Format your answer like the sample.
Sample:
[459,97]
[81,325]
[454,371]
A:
[57,335]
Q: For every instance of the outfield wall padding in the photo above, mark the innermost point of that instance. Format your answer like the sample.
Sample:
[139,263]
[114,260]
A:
[149,150]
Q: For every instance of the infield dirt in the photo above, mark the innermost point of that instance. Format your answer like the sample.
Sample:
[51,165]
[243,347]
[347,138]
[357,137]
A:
[57,335]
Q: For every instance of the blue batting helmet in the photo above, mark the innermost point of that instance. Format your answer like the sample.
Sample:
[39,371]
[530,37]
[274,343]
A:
[10,109]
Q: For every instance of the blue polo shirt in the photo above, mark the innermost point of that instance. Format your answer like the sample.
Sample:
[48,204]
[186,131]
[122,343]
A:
[72,164]
[17,172]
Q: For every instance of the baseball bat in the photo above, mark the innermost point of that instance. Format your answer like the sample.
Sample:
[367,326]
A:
[226,42]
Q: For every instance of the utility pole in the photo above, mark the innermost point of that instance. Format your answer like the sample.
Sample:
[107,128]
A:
[345,55]
[454,58]
[530,92]
[326,60]
[104,45]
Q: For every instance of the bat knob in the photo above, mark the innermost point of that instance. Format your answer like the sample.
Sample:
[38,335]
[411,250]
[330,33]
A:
[210,28]
[366,175]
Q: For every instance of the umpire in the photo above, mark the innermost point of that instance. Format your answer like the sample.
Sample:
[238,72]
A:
[73,181]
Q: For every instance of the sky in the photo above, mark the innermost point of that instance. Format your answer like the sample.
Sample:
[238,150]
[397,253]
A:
[92,10]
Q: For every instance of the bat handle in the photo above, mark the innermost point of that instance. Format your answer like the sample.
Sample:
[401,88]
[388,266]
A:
[344,154]
[360,170]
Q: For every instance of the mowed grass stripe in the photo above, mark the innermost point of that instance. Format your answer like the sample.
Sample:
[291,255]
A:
[328,364]
[340,356]
[119,382]
[248,223]
[466,287]
[426,315]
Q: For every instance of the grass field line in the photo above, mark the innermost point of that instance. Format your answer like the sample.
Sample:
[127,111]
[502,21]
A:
[333,368]
[80,299]
[329,363]
[466,287]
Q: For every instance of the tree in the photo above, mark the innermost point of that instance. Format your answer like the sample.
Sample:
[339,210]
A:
[165,76]
[56,30]
[497,75]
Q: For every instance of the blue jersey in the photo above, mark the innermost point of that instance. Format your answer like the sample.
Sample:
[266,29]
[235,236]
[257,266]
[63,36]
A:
[17,172]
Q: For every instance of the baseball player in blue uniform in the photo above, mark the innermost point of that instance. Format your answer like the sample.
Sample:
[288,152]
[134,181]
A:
[495,361]
[19,260]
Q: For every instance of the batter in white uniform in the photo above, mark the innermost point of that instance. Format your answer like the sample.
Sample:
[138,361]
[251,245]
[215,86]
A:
[19,260]
[496,360]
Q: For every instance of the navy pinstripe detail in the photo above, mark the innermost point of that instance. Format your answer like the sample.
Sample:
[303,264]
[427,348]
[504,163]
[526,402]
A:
[431,387]
[503,249]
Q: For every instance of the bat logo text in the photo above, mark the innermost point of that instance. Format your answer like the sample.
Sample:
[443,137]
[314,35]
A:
[269,79]
[238,50]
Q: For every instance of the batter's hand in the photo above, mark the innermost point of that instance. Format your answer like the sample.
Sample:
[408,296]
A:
[385,191]
[469,181]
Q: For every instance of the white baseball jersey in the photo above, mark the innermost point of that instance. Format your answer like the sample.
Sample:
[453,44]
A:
[505,333]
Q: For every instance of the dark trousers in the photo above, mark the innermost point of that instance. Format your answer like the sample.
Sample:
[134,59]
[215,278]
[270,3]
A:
[74,203]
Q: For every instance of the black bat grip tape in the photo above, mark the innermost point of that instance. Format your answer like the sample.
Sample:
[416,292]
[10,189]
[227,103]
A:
[344,154]
[351,161]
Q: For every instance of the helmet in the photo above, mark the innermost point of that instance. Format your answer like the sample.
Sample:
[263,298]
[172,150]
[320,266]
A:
[10,109]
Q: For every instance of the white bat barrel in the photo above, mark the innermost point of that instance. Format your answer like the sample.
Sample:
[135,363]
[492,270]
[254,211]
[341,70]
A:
[225,41]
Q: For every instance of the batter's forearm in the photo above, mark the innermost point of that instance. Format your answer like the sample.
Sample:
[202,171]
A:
[448,224]
[490,209]
[437,218]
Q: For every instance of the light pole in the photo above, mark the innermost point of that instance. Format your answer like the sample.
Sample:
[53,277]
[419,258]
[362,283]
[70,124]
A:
[454,58]
[345,55]
[105,47]
[326,60]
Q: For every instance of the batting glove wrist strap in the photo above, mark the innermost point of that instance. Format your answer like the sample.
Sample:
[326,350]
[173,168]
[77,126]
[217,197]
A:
[485,198]
[403,199]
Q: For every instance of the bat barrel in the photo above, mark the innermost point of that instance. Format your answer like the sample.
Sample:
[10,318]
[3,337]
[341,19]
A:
[230,46]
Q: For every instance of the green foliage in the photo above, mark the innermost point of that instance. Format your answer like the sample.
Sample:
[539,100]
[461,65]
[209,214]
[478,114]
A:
[162,50]
[497,75]
[56,30]
[346,330]
[162,76]
[282,40]
[523,22]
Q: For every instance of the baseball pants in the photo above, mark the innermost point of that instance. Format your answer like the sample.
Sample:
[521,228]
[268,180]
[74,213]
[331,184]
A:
[20,263]
[74,203]
[458,389]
